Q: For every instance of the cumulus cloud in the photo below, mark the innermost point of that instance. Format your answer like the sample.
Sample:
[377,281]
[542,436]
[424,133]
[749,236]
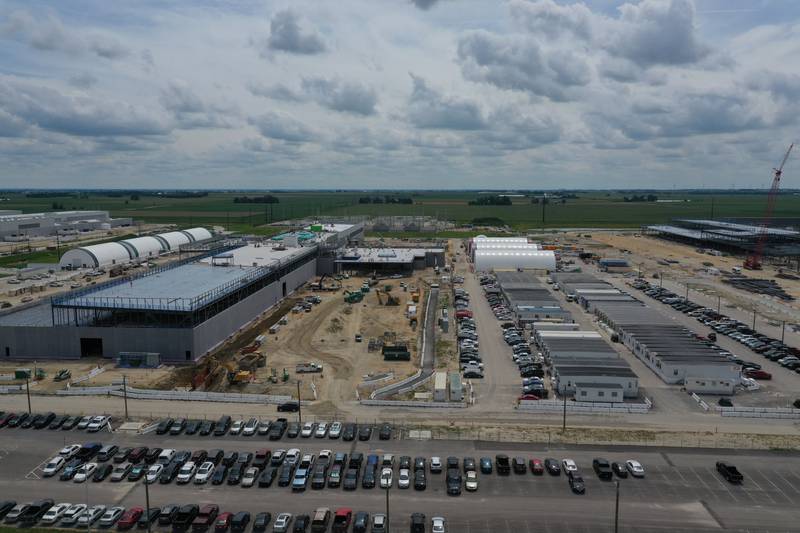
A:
[520,64]
[424,4]
[82,80]
[347,97]
[288,35]
[279,91]
[428,108]
[81,116]
[282,127]
[190,111]
[550,19]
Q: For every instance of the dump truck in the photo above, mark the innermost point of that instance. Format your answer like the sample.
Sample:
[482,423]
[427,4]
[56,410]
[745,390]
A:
[308,368]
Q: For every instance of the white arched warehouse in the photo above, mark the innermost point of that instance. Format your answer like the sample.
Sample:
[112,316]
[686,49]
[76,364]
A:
[486,260]
[136,249]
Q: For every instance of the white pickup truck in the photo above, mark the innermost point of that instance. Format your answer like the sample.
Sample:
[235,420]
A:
[308,368]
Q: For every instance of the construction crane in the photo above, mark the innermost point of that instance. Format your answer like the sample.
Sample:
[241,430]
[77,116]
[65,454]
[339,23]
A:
[753,261]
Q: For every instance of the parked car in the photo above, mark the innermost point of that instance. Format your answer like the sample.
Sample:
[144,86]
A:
[576,482]
[635,468]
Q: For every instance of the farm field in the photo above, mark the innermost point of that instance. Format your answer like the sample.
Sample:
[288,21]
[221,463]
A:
[595,209]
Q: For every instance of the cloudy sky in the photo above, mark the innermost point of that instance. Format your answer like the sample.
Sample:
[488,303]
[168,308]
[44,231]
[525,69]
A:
[398,93]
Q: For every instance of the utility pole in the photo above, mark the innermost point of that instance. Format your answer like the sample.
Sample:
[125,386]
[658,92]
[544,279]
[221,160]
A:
[783,329]
[125,394]
[754,320]
[687,290]
[564,424]
[147,502]
[719,301]
[544,205]
[28,389]
[299,406]
[660,280]
[616,509]
[387,508]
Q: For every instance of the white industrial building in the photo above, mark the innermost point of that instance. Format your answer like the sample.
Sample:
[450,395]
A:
[486,260]
[16,226]
[131,250]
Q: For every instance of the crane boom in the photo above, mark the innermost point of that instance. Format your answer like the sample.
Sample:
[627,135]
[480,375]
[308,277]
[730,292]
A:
[753,261]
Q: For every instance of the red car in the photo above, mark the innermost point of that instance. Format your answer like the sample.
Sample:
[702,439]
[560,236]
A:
[537,467]
[223,522]
[341,520]
[129,518]
[528,397]
[5,419]
[757,374]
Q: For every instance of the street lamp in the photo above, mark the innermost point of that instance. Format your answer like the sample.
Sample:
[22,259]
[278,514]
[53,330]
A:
[616,509]
[299,406]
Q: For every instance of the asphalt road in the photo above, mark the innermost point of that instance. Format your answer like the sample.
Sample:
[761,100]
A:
[681,490]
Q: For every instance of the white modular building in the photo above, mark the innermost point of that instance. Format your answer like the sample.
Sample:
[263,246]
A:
[486,260]
[130,250]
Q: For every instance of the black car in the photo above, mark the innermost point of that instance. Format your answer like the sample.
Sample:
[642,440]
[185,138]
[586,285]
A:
[469,464]
[452,462]
[218,477]
[169,473]
[419,463]
[619,469]
[486,465]
[261,521]
[360,522]
[420,481]
[240,521]
[215,456]
[206,427]
[386,432]
[199,457]
[293,430]
[288,407]
[35,512]
[349,432]
[319,476]
[518,465]
[167,514]
[602,468]
[576,482]
[181,457]
[552,466]
[368,481]
[301,523]
[149,516]
[5,507]
[122,455]
[185,516]
[453,481]
[266,477]
[88,451]
[235,475]
[17,420]
[192,427]
[102,472]
[44,421]
[58,421]
[285,475]
[417,523]
[350,479]
[151,455]
[222,426]
[365,433]
[70,423]
[30,421]
[163,426]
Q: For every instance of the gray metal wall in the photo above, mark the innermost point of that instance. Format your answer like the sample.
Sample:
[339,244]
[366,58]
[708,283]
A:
[29,342]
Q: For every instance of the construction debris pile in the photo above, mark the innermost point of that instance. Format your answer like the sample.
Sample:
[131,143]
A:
[767,287]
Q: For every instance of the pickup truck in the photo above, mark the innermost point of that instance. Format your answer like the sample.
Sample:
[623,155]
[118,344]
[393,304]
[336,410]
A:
[308,368]
[502,464]
[205,519]
[729,472]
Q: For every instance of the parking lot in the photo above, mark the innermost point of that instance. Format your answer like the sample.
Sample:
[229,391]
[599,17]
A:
[680,491]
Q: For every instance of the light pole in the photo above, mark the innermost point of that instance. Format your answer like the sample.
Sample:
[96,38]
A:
[719,302]
[125,394]
[387,508]
[28,389]
[147,501]
[564,424]
[616,509]
[783,330]
[299,406]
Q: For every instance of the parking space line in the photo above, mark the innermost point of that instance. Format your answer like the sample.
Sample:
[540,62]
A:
[779,491]
[713,474]
[710,491]
[791,486]
[761,490]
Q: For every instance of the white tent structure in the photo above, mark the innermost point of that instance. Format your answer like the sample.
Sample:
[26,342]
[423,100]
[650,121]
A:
[486,260]
[128,250]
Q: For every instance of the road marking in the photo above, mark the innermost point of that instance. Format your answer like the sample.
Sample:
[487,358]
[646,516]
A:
[702,482]
[768,480]
[787,482]
[683,479]
[713,474]
[765,493]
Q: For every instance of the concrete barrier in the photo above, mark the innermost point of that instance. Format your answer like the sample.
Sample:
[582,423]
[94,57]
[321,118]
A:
[583,407]
[403,403]
[10,389]
[409,379]
[198,396]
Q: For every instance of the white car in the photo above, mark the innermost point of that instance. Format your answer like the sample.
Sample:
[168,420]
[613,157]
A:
[307,461]
[153,473]
[635,468]
[324,456]
[436,464]
[53,466]
[403,478]
[250,476]
[569,465]
[165,456]
[336,430]
[250,427]
[68,451]
[308,429]
[91,515]
[121,471]
[97,423]
[84,472]
[263,427]
[84,423]
[438,524]
[386,478]
[72,514]
[205,471]
[281,524]
[292,456]
[472,481]
[186,473]
[55,513]
[322,430]
[236,427]
[111,516]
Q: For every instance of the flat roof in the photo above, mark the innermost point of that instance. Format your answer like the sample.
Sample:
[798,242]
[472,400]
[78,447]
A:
[599,385]
[579,370]
[384,255]
[255,255]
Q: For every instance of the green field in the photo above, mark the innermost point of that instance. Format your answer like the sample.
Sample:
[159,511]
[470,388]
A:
[590,209]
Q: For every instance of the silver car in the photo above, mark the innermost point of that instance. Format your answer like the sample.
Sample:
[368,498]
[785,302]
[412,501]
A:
[282,523]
